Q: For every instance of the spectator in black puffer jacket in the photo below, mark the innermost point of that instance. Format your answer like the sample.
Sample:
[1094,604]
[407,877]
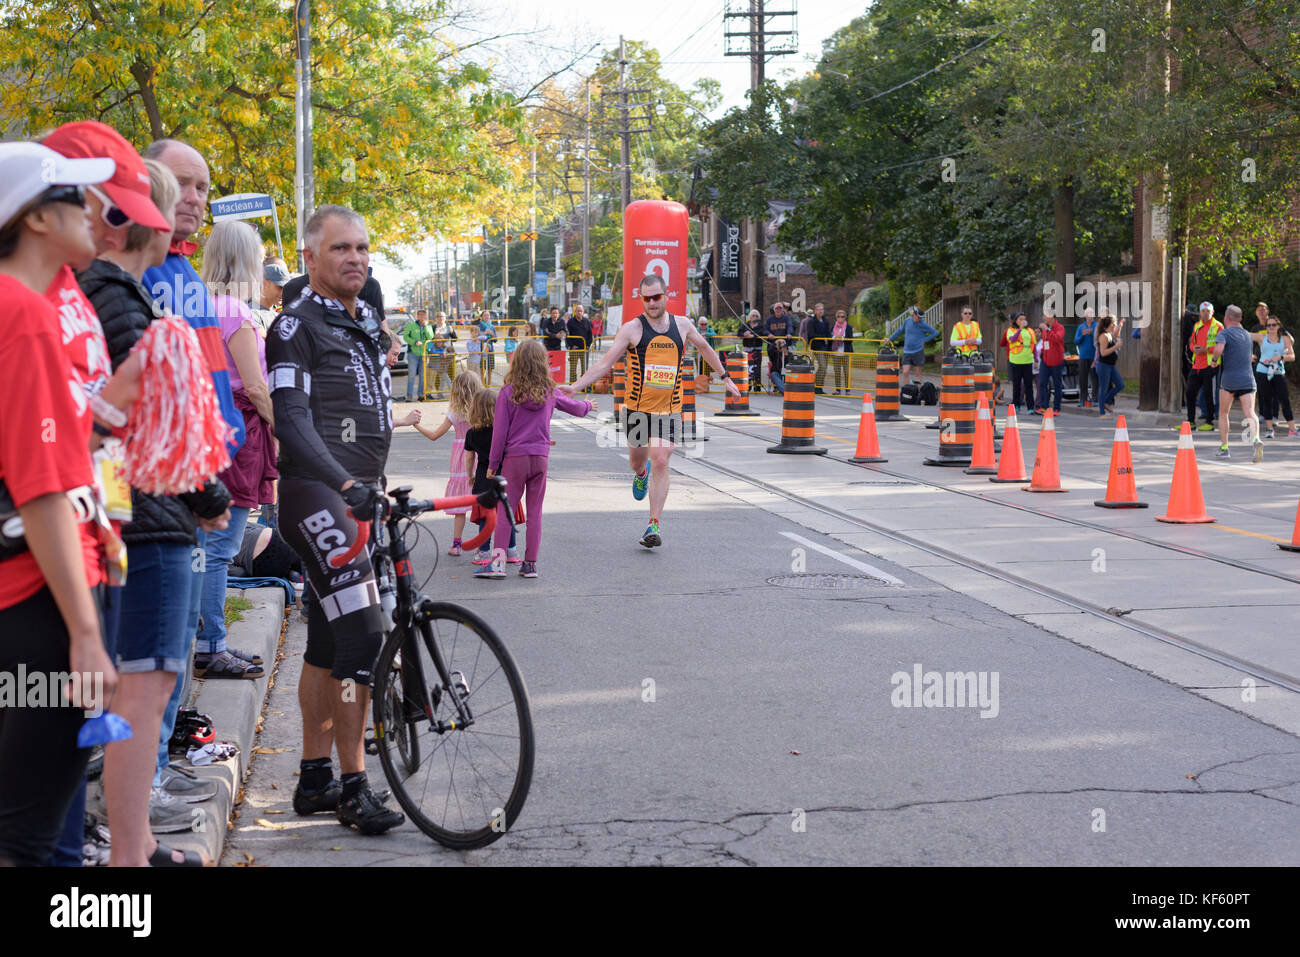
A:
[160,600]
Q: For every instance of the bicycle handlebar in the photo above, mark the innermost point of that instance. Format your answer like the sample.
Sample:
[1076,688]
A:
[363,536]
[438,504]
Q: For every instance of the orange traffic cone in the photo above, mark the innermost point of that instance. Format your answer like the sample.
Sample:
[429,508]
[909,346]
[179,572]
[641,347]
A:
[1047,474]
[1011,467]
[868,442]
[1295,536]
[1186,505]
[981,459]
[1121,487]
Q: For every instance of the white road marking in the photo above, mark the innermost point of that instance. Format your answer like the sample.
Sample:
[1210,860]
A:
[851,562]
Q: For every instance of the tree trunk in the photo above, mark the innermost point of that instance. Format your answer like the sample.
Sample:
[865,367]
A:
[1063,201]
[143,74]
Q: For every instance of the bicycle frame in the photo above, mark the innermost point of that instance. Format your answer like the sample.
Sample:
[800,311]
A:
[413,608]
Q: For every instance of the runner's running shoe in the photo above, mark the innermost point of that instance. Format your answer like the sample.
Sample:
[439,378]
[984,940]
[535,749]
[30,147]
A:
[1223,453]
[651,537]
[528,570]
[1258,455]
[641,483]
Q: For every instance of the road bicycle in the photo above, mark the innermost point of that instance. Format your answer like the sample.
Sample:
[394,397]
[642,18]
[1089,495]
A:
[447,697]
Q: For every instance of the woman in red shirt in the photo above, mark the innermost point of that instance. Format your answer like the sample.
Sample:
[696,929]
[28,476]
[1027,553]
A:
[49,617]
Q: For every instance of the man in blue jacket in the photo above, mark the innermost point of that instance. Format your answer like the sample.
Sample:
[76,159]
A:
[916,333]
[1085,338]
[175,286]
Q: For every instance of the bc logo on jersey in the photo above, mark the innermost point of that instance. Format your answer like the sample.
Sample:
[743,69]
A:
[288,327]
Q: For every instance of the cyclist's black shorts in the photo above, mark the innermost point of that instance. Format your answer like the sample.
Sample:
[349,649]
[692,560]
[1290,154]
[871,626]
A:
[345,622]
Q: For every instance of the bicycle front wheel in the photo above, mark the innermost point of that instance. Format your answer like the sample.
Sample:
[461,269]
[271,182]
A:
[475,739]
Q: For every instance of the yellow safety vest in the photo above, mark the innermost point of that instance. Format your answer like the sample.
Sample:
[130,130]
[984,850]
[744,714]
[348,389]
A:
[965,330]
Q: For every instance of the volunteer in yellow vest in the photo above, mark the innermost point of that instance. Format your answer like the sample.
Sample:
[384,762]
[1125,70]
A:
[966,337]
[654,342]
[1204,376]
[1020,360]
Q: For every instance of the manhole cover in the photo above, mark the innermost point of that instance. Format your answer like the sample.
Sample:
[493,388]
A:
[826,582]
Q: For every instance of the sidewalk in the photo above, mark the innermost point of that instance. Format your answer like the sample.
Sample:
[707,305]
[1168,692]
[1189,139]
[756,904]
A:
[235,706]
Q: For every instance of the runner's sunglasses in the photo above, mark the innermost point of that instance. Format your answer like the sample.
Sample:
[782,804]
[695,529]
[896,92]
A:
[655,298]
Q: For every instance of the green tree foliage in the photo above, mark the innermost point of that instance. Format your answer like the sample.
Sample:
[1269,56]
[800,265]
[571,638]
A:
[406,131]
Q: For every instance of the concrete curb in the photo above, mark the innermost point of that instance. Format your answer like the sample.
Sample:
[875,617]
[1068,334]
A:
[235,706]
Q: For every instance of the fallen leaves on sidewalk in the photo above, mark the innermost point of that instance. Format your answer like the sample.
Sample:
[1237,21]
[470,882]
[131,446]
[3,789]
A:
[261,750]
[263,822]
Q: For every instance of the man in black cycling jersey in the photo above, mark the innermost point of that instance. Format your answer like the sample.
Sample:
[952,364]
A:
[331,394]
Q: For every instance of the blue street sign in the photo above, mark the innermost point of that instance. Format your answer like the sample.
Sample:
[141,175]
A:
[242,206]
[539,285]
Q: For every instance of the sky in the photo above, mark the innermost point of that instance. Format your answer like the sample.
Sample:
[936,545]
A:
[687,33]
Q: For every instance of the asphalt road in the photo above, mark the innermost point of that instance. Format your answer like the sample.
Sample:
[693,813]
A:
[776,731]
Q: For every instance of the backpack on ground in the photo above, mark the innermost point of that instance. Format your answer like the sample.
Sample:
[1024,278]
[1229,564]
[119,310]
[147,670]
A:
[909,394]
[929,393]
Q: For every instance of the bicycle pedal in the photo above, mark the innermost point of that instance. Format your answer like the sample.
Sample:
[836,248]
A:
[372,745]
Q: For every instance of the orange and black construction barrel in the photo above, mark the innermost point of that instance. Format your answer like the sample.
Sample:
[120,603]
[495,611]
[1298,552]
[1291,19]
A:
[738,369]
[620,392]
[689,432]
[945,365]
[956,413]
[798,423]
[887,385]
[982,372]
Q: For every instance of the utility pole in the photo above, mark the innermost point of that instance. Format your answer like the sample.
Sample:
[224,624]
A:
[532,243]
[305,178]
[751,29]
[505,268]
[455,271]
[1157,377]
[625,134]
[485,285]
[625,128]
[586,188]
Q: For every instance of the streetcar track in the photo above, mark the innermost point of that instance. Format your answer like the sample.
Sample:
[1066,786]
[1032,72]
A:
[1267,675]
[1261,672]
[1043,513]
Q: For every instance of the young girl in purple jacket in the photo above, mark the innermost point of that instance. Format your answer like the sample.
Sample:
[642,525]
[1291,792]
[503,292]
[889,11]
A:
[521,442]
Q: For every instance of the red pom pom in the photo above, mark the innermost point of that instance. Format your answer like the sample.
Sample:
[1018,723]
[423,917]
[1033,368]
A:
[177,436]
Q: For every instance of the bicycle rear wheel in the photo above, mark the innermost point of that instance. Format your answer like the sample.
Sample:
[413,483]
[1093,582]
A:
[470,778]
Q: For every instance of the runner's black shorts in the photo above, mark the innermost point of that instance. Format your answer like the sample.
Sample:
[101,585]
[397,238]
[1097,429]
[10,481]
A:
[913,358]
[345,623]
[1238,393]
[647,428]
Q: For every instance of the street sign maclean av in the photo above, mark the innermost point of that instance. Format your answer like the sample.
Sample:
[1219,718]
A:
[248,206]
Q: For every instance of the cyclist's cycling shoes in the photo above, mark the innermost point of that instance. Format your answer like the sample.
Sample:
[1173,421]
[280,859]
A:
[309,802]
[368,814]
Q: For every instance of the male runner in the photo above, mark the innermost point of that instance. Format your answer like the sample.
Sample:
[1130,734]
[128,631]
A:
[654,342]
[1232,349]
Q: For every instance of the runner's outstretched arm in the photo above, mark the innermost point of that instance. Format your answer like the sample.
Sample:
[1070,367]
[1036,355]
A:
[616,349]
[706,350]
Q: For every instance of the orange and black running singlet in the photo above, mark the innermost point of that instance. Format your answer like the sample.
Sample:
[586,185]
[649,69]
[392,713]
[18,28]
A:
[653,366]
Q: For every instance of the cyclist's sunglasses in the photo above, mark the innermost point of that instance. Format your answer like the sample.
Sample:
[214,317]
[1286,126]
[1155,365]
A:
[111,214]
[655,298]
